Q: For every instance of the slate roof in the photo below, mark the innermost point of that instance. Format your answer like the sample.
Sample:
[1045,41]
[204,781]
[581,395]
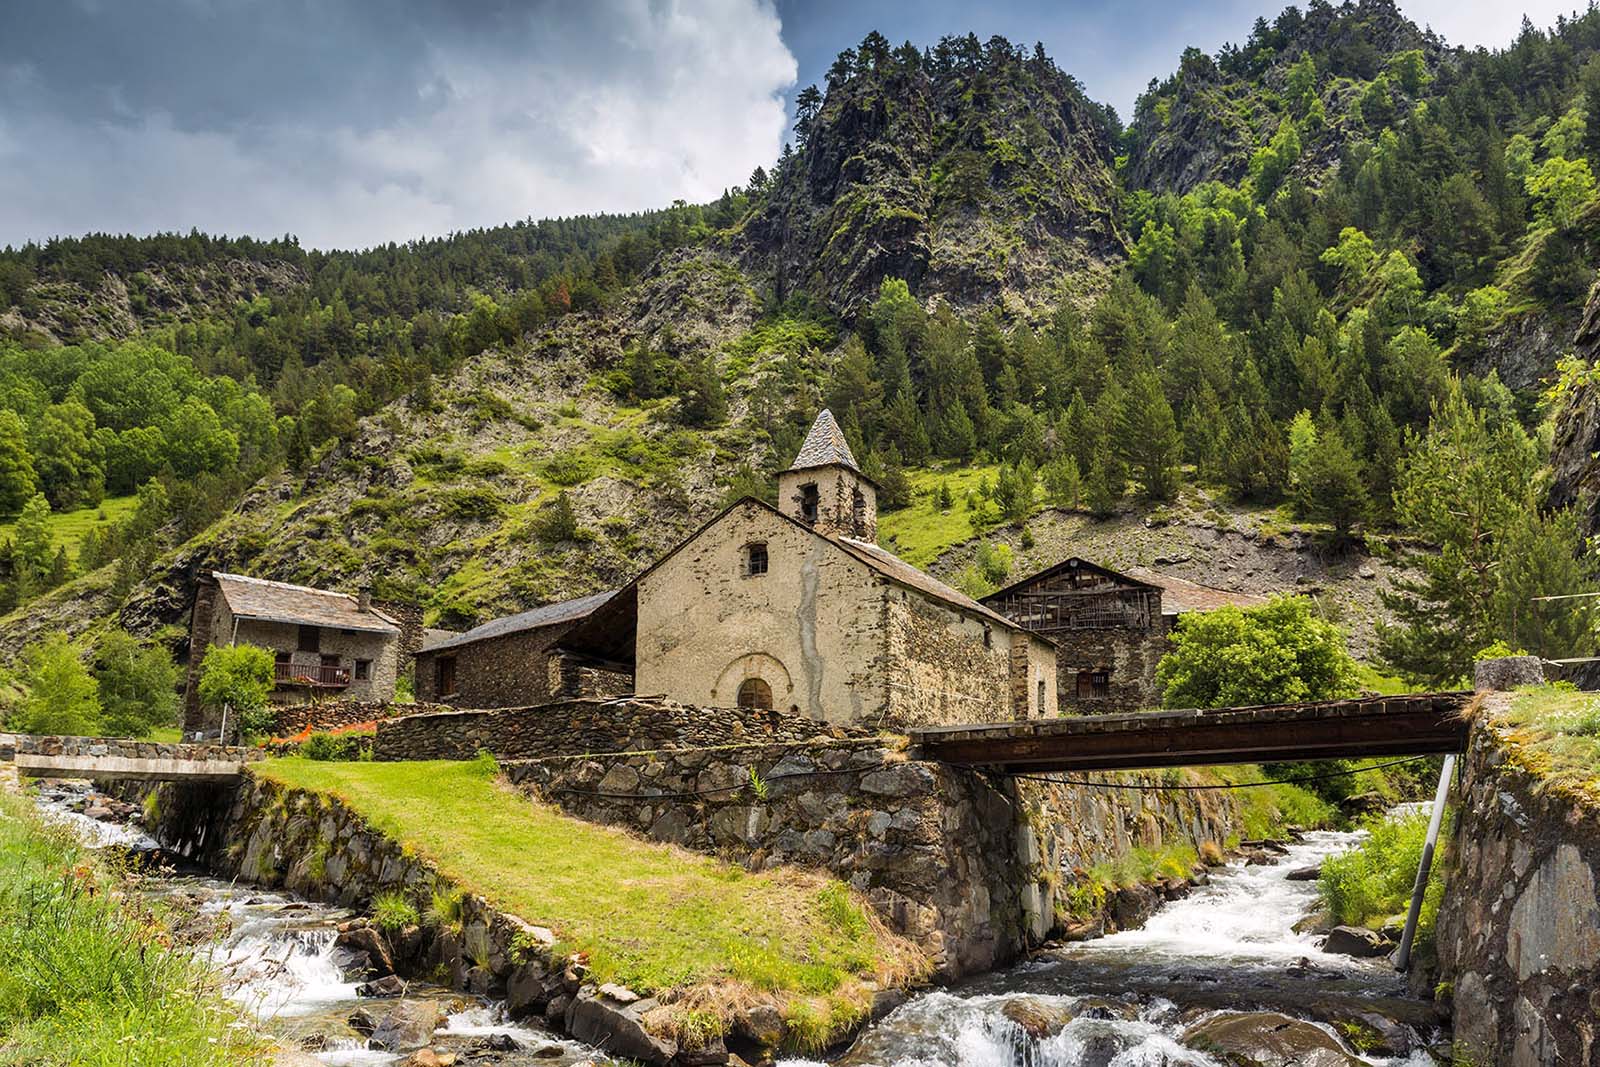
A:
[1180,596]
[547,615]
[257,598]
[900,572]
[824,446]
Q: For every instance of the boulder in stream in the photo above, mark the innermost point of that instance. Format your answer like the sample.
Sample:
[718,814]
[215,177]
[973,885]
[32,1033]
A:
[1039,1019]
[1356,941]
[1268,1039]
[1305,874]
[409,1024]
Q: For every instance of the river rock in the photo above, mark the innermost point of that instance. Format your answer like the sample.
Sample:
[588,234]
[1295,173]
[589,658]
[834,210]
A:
[391,985]
[1305,874]
[1037,1018]
[1355,941]
[617,1028]
[1268,1039]
[409,1024]
[288,1057]
[1132,905]
[525,989]
[760,1023]
[427,1057]
[366,939]
[362,1022]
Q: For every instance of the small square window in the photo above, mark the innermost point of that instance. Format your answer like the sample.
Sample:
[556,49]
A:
[755,559]
[363,669]
[310,639]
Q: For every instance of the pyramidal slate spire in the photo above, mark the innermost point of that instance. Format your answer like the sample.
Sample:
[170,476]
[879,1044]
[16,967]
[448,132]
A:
[824,446]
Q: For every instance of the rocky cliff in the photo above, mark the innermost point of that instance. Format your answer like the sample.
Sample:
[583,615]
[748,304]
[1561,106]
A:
[975,173]
[1203,123]
[1575,449]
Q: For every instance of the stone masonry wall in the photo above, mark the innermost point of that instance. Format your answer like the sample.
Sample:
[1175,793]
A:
[943,667]
[511,671]
[334,714]
[1519,929]
[576,727]
[967,866]
[1131,657]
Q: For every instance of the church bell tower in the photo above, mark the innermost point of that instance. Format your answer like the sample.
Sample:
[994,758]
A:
[825,489]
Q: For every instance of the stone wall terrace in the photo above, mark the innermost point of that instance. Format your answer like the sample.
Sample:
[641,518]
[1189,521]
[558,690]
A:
[577,727]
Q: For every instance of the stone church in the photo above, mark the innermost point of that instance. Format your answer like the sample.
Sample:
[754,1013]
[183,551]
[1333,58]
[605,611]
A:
[798,608]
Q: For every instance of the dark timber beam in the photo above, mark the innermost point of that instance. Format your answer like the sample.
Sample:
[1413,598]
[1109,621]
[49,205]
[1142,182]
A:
[1419,724]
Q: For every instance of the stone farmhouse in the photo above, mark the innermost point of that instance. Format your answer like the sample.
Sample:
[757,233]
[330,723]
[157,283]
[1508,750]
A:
[1110,628]
[792,608]
[516,661]
[325,643]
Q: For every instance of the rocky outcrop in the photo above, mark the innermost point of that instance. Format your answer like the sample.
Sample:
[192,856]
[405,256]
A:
[1519,929]
[976,173]
[1577,428]
[1204,123]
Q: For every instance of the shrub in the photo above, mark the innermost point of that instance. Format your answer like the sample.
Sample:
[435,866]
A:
[60,695]
[1274,654]
[392,912]
[337,747]
[1372,882]
[444,907]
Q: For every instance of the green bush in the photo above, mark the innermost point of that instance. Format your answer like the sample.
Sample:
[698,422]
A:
[337,747]
[392,912]
[1372,882]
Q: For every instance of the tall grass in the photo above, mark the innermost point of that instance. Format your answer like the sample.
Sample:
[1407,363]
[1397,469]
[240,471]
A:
[88,974]
[1373,882]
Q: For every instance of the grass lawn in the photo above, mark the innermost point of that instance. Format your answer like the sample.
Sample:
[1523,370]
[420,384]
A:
[649,915]
[69,527]
[1556,736]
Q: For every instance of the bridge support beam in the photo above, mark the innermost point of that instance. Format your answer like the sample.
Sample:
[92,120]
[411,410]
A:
[1402,958]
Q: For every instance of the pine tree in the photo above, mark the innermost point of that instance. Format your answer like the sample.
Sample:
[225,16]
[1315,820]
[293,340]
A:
[1063,482]
[1333,488]
[1099,496]
[33,555]
[1148,438]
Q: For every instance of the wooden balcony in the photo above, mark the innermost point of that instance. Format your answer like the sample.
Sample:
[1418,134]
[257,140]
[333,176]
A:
[308,676]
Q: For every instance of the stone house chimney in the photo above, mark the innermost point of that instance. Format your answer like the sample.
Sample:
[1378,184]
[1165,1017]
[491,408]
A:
[825,489]
[364,600]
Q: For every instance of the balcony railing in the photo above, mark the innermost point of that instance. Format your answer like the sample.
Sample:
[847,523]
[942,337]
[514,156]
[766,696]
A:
[297,674]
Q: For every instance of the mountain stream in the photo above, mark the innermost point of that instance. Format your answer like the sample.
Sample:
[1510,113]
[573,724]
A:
[1205,967]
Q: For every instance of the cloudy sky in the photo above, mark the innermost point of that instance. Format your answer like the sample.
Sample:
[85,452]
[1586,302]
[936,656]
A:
[354,122]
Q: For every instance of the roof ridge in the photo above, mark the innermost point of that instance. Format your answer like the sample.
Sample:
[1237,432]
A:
[283,585]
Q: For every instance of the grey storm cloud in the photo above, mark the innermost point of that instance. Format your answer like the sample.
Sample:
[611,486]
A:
[351,124]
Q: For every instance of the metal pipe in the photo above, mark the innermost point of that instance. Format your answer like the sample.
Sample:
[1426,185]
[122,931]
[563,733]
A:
[1425,864]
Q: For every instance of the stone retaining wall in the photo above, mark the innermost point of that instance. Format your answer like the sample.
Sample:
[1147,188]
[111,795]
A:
[311,844]
[576,727]
[970,867]
[1519,929]
[334,714]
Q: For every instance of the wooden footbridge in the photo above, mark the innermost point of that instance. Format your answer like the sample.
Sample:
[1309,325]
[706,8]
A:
[1417,724]
[111,759]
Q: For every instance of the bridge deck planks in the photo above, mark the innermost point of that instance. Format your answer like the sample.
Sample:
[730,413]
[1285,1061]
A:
[1416,724]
